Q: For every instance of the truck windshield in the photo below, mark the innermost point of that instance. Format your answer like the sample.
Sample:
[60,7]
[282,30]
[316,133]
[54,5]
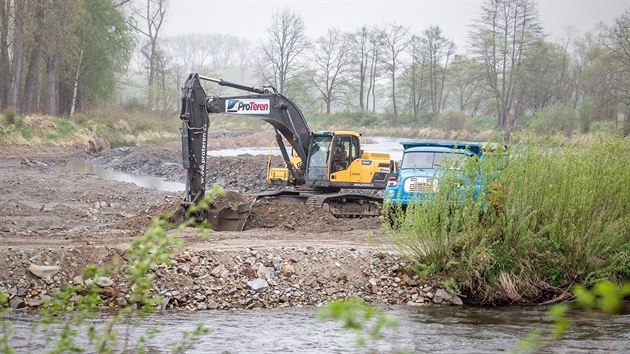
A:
[418,160]
[318,162]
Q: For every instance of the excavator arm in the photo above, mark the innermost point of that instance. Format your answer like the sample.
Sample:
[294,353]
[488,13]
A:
[264,103]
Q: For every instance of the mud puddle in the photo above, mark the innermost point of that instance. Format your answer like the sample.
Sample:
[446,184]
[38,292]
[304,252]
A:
[145,181]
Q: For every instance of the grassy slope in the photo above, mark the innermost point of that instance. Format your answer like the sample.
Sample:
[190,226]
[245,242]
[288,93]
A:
[117,127]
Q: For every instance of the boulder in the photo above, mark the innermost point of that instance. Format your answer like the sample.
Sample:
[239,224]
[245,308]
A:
[258,284]
[44,272]
[442,296]
[103,281]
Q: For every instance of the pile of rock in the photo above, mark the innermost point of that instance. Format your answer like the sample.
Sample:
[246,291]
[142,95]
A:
[245,279]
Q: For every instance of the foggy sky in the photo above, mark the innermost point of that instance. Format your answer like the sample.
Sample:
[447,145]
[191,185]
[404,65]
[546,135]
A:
[249,19]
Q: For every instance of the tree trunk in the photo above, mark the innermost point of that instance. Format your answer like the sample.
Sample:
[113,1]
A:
[4,52]
[76,84]
[362,89]
[51,92]
[32,80]
[32,73]
[374,94]
[151,81]
[18,54]
[362,74]
[626,121]
[394,96]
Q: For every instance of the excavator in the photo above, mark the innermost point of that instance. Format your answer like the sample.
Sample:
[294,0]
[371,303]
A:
[325,169]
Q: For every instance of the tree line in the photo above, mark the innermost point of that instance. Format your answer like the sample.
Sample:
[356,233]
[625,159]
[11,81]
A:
[57,56]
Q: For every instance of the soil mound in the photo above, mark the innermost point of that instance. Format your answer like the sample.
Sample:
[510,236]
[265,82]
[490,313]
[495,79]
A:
[301,217]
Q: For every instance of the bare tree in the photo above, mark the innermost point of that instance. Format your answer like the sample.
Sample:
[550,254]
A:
[152,15]
[619,43]
[438,50]
[32,72]
[5,11]
[243,57]
[60,42]
[544,72]
[597,77]
[332,63]
[286,42]
[466,84]
[414,77]
[360,41]
[18,53]
[376,44]
[396,41]
[500,38]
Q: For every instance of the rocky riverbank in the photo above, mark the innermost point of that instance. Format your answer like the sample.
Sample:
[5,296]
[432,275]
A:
[55,221]
[227,279]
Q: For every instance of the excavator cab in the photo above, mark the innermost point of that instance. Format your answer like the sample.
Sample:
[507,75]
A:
[331,153]
[345,150]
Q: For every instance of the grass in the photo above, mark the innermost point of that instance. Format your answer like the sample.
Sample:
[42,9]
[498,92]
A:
[117,126]
[127,126]
[563,219]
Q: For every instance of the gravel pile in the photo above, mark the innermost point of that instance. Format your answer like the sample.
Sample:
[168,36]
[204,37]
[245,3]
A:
[228,279]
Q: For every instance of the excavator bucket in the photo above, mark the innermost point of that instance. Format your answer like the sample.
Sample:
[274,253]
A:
[229,218]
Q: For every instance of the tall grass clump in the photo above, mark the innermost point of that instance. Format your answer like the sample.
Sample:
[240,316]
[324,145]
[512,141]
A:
[545,217]
[13,117]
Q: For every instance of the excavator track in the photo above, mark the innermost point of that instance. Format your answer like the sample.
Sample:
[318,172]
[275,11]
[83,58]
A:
[340,205]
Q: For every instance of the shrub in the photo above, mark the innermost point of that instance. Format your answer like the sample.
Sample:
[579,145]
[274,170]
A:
[12,117]
[587,113]
[453,120]
[80,118]
[135,105]
[557,118]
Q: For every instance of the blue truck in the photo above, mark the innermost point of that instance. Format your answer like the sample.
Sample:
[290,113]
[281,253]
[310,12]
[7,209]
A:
[422,164]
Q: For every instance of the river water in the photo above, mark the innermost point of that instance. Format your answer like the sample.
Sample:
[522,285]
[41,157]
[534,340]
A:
[295,330]
[82,166]
[376,144]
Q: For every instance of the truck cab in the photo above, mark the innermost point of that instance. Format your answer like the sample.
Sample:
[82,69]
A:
[422,165]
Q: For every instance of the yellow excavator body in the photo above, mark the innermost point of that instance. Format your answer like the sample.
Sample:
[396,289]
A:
[346,164]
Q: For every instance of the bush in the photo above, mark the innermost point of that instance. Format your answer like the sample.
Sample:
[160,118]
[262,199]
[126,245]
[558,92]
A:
[453,120]
[80,118]
[135,105]
[587,113]
[557,118]
[562,217]
[12,117]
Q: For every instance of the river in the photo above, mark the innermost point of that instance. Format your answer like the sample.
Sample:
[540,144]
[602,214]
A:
[374,144]
[295,330]
[378,144]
